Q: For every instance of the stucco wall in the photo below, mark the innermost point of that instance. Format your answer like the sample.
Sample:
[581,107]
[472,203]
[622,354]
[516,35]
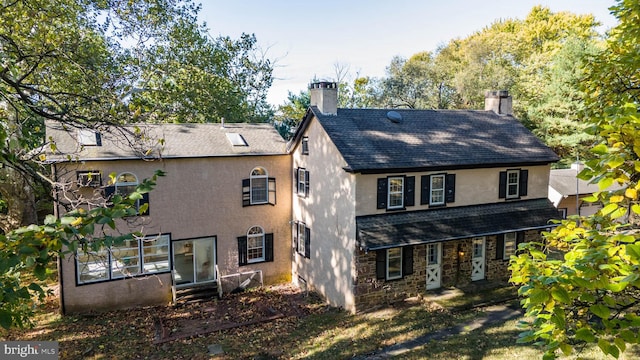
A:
[329,212]
[199,197]
[473,186]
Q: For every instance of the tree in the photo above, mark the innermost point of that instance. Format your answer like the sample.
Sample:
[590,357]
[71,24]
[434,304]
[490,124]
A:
[290,114]
[96,64]
[591,293]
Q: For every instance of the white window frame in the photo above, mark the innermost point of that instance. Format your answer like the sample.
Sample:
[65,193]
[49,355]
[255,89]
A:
[436,191]
[305,145]
[302,188]
[510,243]
[122,184]
[395,192]
[395,257]
[114,267]
[511,184]
[258,175]
[255,233]
[302,238]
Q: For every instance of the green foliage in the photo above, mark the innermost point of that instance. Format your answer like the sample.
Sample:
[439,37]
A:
[30,249]
[290,114]
[592,294]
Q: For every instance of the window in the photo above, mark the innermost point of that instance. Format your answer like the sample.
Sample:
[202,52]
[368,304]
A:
[259,188]
[394,263]
[509,245]
[255,244]
[89,137]
[126,183]
[305,145]
[148,255]
[259,194]
[513,184]
[302,182]
[255,247]
[437,190]
[89,178]
[396,192]
[302,238]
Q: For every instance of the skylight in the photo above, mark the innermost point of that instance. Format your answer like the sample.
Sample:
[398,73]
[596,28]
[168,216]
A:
[88,137]
[236,139]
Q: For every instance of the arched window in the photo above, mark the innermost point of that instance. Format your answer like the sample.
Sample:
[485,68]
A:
[126,183]
[259,178]
[255,244]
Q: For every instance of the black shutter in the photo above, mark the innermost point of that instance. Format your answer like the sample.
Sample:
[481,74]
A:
[242,250]
[502,190]
[425,186]
[268,247]
[108,193]
[295,185]
[246,192]
[381,264]
[524,177]
[382,193]
[407,260]
[98,139]
[306,183]
[144,200]
[296,234]
[409,191]
[450,188]
[307,242]
[519,238]
[499,246]
[271,191]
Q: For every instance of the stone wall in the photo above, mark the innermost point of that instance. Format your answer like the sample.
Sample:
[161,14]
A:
[371,293]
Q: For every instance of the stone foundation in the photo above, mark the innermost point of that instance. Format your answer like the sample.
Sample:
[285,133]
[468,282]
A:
[372,293]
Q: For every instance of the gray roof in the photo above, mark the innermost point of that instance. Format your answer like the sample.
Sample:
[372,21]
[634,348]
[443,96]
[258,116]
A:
[167,141]
[564,181]
[430,140]
[426,226]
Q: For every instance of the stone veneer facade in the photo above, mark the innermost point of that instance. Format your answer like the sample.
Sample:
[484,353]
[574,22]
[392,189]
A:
[371,293]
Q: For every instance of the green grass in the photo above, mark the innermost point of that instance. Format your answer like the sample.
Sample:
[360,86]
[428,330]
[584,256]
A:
[325,333]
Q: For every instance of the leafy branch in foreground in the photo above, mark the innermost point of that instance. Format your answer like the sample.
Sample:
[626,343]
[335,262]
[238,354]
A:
[30,250]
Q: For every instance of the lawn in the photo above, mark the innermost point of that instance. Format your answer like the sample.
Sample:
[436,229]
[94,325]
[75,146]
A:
[301,327]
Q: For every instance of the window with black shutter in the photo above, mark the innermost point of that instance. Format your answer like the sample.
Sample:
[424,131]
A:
[395,192]
[394,263]
[303,239]
[513,184]
[437,189]
[259,188]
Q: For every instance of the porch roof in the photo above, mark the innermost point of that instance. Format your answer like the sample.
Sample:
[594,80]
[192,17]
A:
[426,226]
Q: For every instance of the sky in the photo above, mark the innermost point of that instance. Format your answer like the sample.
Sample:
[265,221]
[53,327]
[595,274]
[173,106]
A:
[306,39]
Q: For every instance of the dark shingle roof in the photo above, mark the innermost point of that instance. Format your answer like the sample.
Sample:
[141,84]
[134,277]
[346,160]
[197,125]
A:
[167,141]
[425,226]
[431,139]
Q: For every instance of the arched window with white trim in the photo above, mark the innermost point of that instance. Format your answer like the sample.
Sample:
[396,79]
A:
[259,188]
[255,244]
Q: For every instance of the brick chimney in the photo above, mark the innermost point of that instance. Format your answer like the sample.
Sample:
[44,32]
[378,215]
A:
[499,102]
[324,95]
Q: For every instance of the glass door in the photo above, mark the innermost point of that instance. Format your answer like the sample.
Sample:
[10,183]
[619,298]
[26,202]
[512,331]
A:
[194,261]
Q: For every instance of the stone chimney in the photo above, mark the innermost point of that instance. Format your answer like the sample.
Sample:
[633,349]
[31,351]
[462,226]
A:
[499,102]
[324,95]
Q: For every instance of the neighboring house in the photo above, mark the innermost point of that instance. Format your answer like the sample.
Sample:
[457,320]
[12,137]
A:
[389,204]
[566,192]
[220,216]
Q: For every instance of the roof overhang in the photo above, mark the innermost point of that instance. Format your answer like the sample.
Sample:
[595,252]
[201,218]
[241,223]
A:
[383,231]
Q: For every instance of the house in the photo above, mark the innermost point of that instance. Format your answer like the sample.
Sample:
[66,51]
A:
[364,206]
[390,203]
[567,191]
[219,218]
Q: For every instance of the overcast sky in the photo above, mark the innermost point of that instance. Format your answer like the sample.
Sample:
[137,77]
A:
[307,38]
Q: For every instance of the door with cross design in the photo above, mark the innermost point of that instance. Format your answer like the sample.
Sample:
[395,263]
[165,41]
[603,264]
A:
[478,259]
[434,258]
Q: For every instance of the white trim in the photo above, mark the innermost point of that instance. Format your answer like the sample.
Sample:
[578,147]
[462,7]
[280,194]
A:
[250,236]
[509,195]
[396,192]
[431,189]
[512,251]
[262,177]
[399,256]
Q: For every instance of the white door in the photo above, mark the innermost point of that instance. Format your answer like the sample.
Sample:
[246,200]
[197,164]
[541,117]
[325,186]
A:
[434,258]
[477,262]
